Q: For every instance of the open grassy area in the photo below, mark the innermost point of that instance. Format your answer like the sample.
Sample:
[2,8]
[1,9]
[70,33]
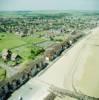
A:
[19,45]
[60,38]
[25,51]
[8,40]
[2,74]
[33,40]
[41,33]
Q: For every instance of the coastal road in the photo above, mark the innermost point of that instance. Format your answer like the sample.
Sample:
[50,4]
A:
[78,67]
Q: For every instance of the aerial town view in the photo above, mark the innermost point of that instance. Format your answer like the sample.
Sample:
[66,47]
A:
[49,50]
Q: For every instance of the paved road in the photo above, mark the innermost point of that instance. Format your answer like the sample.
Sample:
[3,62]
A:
[78,67]
[32,90]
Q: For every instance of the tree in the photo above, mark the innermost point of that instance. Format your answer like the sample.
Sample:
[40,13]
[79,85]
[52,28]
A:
[35,51]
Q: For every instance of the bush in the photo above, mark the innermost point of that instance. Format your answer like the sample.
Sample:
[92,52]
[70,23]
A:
[35,51]
[2,74]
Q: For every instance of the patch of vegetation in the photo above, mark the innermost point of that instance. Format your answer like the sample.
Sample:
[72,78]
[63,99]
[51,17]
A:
[30,39]
[41,33]
[9,40]
[2,74]
[35,51]
[23,46]
[58,38]
[29,51]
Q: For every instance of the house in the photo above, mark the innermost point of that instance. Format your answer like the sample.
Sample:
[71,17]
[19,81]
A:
[49,54]
[53,51]
[15,58]
[6,54]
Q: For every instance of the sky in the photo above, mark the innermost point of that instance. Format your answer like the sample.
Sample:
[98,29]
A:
[13,5]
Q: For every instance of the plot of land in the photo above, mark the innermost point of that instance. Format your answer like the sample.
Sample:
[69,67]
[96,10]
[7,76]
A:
[19,45]
[8,40]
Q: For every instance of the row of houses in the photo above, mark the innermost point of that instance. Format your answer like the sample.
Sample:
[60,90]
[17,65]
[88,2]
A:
[56,49]
[31,68]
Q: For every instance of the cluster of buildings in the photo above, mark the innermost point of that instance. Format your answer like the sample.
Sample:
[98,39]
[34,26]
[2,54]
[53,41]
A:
[7,55]
[58,24]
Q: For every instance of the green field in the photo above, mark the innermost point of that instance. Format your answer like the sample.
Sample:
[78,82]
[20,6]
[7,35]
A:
[25,51]
[8,40]
[19,45]
[33,40]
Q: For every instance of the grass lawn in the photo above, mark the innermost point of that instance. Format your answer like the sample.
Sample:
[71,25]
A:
[31,39]
[20,45]
[8,40]
[25,51]
[59,38]
[2,74]
[41,33]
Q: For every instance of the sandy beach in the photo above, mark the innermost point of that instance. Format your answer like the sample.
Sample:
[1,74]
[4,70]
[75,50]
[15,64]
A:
[78,67]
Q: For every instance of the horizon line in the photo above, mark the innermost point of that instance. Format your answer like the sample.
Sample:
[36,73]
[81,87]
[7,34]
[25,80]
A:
[51,10]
